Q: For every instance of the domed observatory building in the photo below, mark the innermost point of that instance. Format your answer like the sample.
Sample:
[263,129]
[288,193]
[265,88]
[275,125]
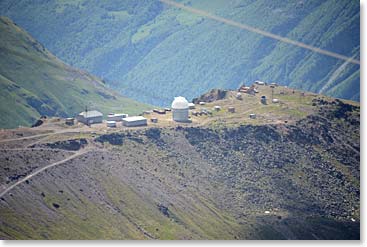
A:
[180,109]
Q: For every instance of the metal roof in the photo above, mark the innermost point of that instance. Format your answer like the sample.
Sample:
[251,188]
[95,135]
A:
[120,114]
[133,119]
[90,114]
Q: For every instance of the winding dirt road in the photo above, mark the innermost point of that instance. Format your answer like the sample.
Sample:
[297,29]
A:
[45,134]
[77,154]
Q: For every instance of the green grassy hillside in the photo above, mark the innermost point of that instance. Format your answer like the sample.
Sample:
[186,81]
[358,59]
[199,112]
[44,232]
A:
[152,52]
[33,82]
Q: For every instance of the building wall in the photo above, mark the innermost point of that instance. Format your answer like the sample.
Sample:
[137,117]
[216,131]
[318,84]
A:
[114,118]
[80,119]
[142,122]
[180,115]
[111,124]
[90,120]
[94,120]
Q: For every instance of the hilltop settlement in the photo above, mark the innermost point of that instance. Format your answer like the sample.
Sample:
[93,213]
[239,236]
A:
[259,103]
[260,162]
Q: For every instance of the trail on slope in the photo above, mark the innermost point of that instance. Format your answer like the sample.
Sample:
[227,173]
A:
[80,153]
[45,134]
[26,137]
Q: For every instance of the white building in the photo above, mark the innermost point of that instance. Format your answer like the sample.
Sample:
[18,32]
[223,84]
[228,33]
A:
[191,106]
[180,109]
[252,115]
[69,121]
[259,82]
[90,117]
[217,108]
[239,96]
[134,121]
[116,117]
[111,124]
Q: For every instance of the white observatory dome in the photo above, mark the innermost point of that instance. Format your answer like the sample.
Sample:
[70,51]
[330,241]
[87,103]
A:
[180,103]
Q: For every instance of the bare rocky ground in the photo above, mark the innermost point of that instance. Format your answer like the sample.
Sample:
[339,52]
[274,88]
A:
[294,180]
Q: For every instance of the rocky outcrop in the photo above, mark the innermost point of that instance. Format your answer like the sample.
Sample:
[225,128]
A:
[69,145]
[212,95]
[113,139]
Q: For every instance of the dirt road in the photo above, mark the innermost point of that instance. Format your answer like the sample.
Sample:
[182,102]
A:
[80,153]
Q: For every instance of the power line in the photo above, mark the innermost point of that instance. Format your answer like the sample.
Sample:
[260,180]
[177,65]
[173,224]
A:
[261,32]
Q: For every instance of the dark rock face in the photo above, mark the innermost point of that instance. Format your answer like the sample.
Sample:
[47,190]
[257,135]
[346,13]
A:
[264,134]
[153,133]
[16,177]
[306,167]
[113,139]
[308,228]
[338,109]
[298,135]
[164,210]
[69,145]
[118,138]
[213,95]
[39,122]
[197,135]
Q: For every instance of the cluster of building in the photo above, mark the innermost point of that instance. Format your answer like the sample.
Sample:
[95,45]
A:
[249,90]
[96,117]
[253,90]
[180,111]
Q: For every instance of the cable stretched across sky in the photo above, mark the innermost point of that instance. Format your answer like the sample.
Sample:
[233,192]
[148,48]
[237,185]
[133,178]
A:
[261,32]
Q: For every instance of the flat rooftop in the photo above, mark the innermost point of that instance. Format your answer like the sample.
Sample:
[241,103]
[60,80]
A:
[134,118]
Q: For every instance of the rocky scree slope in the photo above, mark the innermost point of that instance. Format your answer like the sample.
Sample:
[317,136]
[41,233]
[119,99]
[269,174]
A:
[295,181]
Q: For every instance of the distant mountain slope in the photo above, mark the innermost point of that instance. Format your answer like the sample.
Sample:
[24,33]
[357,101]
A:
[151,51]
[33,82]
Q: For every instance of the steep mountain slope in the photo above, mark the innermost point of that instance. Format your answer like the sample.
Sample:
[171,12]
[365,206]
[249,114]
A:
[33,82]
[152,52]
[253,179]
